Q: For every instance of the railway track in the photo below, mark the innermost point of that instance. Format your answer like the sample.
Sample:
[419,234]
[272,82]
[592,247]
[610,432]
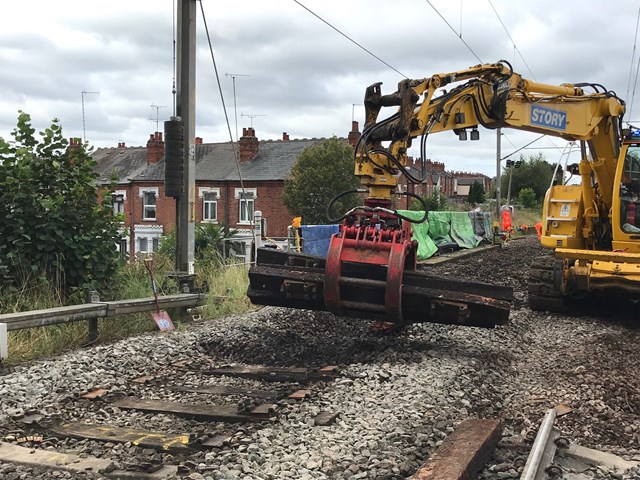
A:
[397,398]
[157,424]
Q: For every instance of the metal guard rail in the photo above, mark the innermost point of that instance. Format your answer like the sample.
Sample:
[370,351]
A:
[88,311]
[91,312]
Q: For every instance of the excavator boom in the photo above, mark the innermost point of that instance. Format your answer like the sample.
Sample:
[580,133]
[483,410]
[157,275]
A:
[370,269]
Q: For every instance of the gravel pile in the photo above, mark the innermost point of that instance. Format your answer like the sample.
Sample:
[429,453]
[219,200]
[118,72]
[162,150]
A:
[398,396]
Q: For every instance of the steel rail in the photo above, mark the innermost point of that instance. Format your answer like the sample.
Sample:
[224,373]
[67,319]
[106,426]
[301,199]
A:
[543,449]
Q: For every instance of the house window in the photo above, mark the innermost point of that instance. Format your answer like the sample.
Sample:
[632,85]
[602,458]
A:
[210,204]
[245,204]
[147,238]
[149,198]
[117,201]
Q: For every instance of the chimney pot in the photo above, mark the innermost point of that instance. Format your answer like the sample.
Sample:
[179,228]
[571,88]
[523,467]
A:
[285,137]
[354,134]
[155,148]
[248,145]
[198,140]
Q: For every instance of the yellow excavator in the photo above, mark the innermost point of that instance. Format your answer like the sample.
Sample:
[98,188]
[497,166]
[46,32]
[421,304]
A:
[370,269]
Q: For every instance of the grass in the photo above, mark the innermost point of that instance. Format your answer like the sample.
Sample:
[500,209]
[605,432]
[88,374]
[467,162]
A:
[228,286]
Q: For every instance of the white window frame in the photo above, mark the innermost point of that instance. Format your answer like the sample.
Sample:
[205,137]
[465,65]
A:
[142,193]
[150,235]
[119,201]
[244,202]
[201,193]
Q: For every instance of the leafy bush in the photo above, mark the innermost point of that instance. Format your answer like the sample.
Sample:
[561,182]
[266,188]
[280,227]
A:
[53,228]
[209,242]
[527,197]
[436,202]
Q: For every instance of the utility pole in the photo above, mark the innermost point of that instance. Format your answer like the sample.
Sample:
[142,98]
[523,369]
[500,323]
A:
[509,187]
[498,166]
[251,117]
[186,110]
[157,120]
[84,128]
[235,108]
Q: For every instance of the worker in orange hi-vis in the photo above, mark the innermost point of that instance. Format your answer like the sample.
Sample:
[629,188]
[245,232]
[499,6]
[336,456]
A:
[506,220]
[539,229]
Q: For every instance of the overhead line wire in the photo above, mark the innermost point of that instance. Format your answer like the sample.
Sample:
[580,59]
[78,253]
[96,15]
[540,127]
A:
[633,54]
[459,35]
[224,108]
[350,39]
[512,41]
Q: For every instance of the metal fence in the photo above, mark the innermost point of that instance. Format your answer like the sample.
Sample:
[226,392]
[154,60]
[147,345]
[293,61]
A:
[90,312]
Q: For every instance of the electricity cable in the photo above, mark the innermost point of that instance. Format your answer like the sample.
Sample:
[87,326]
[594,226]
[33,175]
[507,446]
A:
[459,35]
[349,38]
[514,43]
[633,54]
[226,115]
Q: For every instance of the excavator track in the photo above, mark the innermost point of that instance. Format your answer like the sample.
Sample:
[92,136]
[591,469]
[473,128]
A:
[298,281]
[544,276]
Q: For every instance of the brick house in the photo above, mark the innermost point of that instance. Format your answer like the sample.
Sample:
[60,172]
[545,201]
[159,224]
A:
[220,197]
[464,180]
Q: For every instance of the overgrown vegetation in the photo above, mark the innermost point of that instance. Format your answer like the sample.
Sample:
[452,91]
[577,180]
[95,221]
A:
[532,172]
[436,202]
[54,231]
[58,241]
[476,193]
[228,286]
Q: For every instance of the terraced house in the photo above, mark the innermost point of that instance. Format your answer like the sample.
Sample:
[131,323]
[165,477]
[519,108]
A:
[220,197]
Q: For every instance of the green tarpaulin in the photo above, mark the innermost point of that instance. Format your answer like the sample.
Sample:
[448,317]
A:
[440,227]
[426,247]
[462,230]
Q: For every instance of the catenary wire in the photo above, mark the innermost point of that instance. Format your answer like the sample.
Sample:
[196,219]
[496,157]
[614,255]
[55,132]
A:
[633,55]
[459,35]
[224,108]
[349,38]
[512,41]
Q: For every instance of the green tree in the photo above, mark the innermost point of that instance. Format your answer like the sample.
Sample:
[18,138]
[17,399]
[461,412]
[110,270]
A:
[436,202]
[322,171]
[527,197]
[532,172]
[52,224]
[476,193]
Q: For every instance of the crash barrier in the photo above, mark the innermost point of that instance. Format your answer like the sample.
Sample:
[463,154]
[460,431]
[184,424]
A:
[442,231]
[91,312]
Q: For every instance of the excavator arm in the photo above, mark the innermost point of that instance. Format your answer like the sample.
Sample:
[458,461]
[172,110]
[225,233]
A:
[370,270]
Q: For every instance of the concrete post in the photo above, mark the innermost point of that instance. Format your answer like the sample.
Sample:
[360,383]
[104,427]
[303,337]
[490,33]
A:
[257,232]
[4,342]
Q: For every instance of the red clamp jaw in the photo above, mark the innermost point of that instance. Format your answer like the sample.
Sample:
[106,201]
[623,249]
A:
[365,266]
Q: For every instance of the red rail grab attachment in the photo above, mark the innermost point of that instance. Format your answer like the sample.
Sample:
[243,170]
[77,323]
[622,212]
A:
[354,259]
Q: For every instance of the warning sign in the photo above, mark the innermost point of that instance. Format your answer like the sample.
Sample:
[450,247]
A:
[564,210]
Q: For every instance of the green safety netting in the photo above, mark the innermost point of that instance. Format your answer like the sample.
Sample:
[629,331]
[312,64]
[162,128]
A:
[426,247]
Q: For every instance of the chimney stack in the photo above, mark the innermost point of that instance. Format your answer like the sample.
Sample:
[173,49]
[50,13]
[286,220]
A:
[285,137]
[354,134]
[155,148]
[248,144]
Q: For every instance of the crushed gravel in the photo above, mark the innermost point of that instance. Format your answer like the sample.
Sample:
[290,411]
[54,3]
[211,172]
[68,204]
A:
[397,399]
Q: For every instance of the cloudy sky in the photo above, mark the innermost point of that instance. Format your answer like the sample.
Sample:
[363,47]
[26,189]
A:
[293,72]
